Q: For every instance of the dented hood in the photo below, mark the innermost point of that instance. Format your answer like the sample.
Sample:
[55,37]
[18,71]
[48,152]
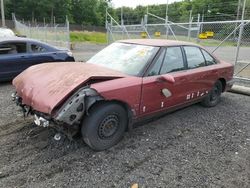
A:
[44,86]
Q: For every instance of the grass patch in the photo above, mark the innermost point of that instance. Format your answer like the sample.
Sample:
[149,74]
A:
[85,36]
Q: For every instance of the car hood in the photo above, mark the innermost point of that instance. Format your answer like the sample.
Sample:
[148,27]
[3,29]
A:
[45,86]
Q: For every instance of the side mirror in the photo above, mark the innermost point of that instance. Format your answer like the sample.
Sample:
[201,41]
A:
[166,78]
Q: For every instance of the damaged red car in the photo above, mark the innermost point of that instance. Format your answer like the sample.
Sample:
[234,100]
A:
[124,83]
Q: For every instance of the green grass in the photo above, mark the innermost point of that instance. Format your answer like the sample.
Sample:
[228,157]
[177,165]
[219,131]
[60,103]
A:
[92,37]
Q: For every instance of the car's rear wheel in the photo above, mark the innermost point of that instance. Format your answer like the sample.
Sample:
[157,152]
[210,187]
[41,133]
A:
[104,126]
[214,96]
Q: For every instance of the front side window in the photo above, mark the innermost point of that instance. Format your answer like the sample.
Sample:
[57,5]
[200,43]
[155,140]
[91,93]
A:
[194,56]
[209,59]
[126,58]
[13,48]
[173,60]
[155,69]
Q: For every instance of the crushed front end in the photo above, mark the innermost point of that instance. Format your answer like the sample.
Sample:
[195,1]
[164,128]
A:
[66,117]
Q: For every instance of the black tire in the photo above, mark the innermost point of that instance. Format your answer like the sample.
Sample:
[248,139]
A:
[214,96]
[104,126]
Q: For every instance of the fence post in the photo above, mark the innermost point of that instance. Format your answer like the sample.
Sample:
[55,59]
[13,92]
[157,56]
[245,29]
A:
[46,35]
[240,33]
[110,29]
[30,30]
[167,27]
[106,26]
[239,41]
[68,32]
[190,24]
[199,28]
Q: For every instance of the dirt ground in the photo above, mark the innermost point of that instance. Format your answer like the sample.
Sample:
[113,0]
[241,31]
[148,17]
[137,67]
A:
[192,147]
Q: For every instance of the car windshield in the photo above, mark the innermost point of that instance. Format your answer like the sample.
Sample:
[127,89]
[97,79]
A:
[126,58]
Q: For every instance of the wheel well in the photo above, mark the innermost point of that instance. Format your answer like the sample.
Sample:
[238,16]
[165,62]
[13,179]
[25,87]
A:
[223,82]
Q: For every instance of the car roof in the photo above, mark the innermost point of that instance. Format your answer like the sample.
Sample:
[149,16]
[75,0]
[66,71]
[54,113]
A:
[17,39]
[158,42]
[24,39]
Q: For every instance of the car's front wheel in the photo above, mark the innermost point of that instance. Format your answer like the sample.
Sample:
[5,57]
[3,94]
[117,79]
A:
[104,126]
[214,96]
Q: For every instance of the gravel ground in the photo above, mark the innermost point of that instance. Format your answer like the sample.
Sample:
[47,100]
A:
[192,147]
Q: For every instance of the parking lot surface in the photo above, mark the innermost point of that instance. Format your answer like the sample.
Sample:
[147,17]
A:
[192,147]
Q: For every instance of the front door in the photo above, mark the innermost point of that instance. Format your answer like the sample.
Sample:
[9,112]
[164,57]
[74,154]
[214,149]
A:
[158,91]
[13,58]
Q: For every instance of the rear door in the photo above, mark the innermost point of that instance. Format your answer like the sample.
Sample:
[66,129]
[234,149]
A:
[198,76]
[13,57]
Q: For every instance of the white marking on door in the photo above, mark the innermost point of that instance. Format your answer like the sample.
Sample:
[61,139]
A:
[198,94]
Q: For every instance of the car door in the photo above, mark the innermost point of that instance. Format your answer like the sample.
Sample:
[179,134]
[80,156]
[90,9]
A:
[198,76]
[164,85]
[13,57]
[40,54]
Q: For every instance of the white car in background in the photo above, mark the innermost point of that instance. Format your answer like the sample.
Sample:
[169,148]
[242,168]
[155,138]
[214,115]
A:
[4,32]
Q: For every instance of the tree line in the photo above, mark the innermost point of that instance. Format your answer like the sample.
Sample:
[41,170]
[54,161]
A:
[92,12]
[86,12]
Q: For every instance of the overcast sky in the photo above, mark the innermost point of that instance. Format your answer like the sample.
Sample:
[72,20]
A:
[134,3]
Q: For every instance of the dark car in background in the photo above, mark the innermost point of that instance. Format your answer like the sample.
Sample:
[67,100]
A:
[17,54]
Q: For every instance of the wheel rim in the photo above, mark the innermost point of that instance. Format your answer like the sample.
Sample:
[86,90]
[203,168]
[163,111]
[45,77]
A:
[215,94]
[108,126]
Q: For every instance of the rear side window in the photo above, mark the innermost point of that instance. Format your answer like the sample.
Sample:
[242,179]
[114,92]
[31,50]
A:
[35,48]
[209,59]
[13,48]
[173,60]
[194,56]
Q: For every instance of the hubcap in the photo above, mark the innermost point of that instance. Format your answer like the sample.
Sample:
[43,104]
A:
[108,126]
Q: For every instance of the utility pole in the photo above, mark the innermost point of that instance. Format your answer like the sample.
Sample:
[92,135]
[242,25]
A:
[237,17]
[238,9]
[167,9]
[167,29]
[2,11]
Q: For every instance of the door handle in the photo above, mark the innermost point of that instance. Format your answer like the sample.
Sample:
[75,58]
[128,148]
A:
[160,80]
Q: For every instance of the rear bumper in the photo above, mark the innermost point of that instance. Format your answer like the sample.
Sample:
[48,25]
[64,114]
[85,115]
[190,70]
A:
[70,59]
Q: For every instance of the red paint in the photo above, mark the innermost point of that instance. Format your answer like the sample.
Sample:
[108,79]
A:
[44,86]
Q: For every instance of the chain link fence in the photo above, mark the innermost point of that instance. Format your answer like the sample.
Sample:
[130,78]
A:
[228,40]
[56,35]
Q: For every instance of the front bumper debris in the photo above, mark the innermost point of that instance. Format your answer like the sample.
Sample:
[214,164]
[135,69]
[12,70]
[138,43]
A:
[40,121]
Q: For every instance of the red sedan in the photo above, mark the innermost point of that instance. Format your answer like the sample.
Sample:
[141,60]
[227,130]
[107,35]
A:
[124,83]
